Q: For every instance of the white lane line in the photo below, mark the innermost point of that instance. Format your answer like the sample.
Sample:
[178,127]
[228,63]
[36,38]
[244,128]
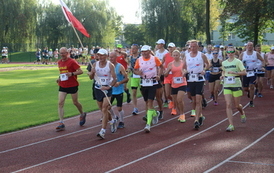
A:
[252,163]
[239,152]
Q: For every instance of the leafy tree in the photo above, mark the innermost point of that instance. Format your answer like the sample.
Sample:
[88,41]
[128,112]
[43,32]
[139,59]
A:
[134,34]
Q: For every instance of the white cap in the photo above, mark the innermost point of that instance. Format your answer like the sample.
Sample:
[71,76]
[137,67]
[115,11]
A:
[161,41]
[221,46]
[171,45]
[102,52]
[145,48]
[272,48]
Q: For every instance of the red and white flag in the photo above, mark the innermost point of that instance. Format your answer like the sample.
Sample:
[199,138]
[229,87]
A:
[71,19]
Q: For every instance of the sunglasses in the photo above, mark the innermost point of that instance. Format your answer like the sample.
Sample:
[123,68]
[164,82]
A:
[230,51]
[215,53]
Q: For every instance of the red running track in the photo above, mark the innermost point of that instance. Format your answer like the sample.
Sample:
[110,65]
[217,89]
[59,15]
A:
[169,147]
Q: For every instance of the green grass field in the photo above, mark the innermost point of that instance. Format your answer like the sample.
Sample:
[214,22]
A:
[30,97]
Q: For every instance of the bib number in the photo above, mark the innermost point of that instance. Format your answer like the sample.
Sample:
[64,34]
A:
[215,69]
[104,80]
[63,77]
[250,74]
[230,80]
[147,82]
[178,80]
[193,78]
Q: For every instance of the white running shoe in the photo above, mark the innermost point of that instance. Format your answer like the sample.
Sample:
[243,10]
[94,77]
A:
[113,126]
[155,118]
[101,134]
[147,128]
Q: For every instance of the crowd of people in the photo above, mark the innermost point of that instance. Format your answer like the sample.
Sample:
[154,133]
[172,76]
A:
[165,77]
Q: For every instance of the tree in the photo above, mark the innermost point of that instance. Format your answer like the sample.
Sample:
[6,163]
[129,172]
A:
[134,34]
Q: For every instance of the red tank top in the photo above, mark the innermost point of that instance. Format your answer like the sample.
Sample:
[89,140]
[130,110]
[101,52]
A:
[121,60]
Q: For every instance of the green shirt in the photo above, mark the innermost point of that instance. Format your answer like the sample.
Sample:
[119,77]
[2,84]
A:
[236,66]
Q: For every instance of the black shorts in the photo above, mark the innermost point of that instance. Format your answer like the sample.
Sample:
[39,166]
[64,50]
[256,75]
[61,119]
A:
[119,99]
[196,88]
[249,80]
[149,92]
[175,91]
[99,94]
[213,78]
[159,85]
[70,90]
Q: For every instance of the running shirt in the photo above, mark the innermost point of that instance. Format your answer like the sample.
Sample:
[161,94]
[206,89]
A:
[132,64]
[195,66]
[148,66]
[209,56]
[122,60]
[232,80]
[119,89]
[177,76]
[215,66]
[161,55]
[103,75]
[250,61]
[68,66]
[270,60]
[259,63]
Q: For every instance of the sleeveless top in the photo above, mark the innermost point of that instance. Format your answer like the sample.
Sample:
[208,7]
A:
[160,55]
[215,66]
[270,59]
[119,89]
[195,64]
[121,60]
[148,68]
[103,75]
[177,76]
[250,61]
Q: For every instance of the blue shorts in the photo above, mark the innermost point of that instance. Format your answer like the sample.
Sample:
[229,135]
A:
[269,68]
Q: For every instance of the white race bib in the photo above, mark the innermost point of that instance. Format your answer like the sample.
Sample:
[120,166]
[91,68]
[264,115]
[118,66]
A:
[147,82]
[63,77]
[178,80]
[215,69]
[250,74]
[104,81]
[230,80]
[193,78]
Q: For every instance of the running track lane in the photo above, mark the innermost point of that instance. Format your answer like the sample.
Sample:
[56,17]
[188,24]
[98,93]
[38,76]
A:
[170,147]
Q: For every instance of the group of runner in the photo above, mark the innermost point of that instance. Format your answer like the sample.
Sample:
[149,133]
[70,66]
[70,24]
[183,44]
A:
[166,76]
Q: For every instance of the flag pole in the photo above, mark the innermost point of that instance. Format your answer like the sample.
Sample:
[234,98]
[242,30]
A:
[77,35]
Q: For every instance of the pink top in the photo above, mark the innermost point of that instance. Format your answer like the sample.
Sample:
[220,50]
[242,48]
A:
[177,75]
[270,59]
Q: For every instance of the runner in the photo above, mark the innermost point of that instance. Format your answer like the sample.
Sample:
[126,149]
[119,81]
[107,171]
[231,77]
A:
[260,71]
[214,76]
[118,88]
[178,84]
[68,84]
[232,70]
[250,58]
[149,68]
[104,73]
[195,62]
[270,67]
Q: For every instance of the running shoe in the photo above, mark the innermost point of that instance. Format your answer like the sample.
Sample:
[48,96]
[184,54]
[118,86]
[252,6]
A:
[83,119]
[204,103]
[165,104]
[182,118]
[215,103]
[173,112]
[121,125]
[193,114]
[113,126]
[60,127]
[230,128]
[243,118]
[101,134]
[145,118]
[251,104]
[201,120]
[260,95]
[155,118]
[170,105]
[271,86]
[135,111]
[147,128]
[161,115]
[196,125]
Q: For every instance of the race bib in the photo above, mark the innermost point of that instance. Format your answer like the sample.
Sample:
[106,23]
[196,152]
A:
[63,77]
[178,80]
[147,82]
[104,80]
[193,78]
[230,80]
[135,76]
[250,74]
[215,69]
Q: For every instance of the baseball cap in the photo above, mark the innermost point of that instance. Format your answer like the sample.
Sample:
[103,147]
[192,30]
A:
[102,52]
[119,46]
[161,41]
[222,46]
[216,46]
[272,48]
[145,48]
[171,45]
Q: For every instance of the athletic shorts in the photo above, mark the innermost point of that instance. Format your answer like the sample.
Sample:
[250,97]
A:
[175,91]
[213,78]
[159,85]
[70,90]
[260,75]
[249,80]
[196,88]
[207,74]
[3,57]
[168,79]
[119,99]
[99,94]
[269,68]
[134,83]
[149,92]
[234,91]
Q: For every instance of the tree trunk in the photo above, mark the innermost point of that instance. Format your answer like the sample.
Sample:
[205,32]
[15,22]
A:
[208,40]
